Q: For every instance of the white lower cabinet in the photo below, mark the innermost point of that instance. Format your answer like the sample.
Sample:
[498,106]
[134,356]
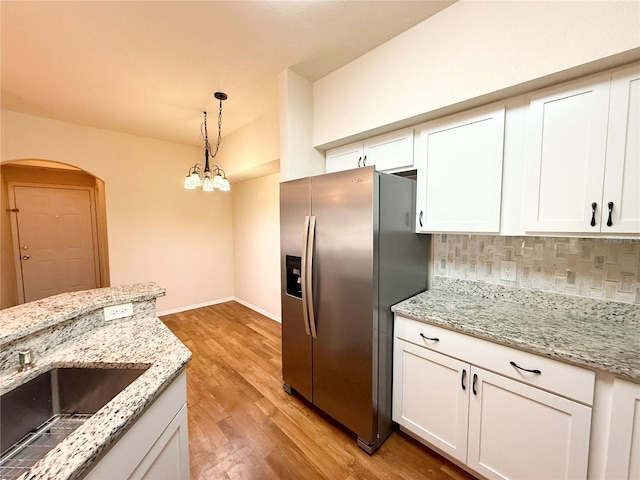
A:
[623,450]
[519,431]
[498,427]
[418,373]
[156,446]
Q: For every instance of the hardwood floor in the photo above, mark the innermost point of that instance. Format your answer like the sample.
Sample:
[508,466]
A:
[242,425]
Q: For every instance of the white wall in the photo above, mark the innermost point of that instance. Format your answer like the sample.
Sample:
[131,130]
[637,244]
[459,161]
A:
[157,231]
[467,51]
[256,233]
[253,150]
[297,157]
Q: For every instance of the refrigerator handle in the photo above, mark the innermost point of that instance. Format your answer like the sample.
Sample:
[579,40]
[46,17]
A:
[309,275]
[303,275]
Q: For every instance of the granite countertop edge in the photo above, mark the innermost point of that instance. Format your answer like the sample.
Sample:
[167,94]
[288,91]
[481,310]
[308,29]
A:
[28,318]
[550,325]
[139,341]
[164,355]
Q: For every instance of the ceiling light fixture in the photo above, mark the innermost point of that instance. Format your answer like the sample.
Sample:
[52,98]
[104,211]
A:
[209,178]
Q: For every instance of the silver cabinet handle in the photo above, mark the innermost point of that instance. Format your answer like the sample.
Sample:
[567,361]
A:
[359,160]
[303,271]
[420,218]
[364,161]
[309,272]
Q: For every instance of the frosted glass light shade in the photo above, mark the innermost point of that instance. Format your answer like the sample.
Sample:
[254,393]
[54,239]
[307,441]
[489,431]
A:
[207,184]
[192,181]
[225,186]
[217,181]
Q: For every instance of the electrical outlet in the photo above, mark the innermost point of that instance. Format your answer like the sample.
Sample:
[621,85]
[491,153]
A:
[508,271]
[118,311]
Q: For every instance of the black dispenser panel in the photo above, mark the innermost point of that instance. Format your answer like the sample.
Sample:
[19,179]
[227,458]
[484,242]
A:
[294,285]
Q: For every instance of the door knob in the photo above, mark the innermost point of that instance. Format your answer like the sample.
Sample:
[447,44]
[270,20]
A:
[26,257]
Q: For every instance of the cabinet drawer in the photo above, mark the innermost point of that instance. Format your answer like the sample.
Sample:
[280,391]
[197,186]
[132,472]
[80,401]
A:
[555,376]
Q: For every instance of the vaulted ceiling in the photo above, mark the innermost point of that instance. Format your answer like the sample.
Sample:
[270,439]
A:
[150,68]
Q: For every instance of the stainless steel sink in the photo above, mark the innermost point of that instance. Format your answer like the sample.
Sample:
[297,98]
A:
[38,415]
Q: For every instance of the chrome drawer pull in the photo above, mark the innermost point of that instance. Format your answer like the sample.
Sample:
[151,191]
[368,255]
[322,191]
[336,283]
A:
[434,339]
[525,369]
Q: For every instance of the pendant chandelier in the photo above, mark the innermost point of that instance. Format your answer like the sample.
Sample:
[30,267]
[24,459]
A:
[209,178]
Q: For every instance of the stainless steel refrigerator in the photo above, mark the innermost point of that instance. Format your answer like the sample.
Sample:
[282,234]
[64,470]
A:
[348,252]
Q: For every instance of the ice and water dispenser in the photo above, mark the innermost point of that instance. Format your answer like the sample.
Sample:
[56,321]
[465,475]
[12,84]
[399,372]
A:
[294,282]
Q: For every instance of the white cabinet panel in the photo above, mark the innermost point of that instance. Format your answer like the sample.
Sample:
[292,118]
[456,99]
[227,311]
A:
[432,398]
[391,152]
[551,374]
[623,451]
[517,431]
[157,439]
[583,153]
[460,172]
[344,158]
[168,458]
[622,179]
[567,146]
[498,426]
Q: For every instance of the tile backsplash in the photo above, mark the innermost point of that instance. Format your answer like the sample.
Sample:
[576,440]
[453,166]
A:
[589,267]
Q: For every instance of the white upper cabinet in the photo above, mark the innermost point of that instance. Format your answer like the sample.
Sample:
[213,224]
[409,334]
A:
[460,172]
[390,152]
[583,158]
[622,174]
[344,158]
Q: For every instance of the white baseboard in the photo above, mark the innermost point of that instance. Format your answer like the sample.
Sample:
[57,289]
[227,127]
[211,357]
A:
[259,310]
[194,306]
[215,302]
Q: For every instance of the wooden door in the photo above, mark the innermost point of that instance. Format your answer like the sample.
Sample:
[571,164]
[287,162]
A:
[430,397]
[56,240]
[520,432]
[566,152]
[622,174]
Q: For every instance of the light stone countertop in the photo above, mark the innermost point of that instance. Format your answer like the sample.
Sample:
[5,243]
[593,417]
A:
[596,334]
[84,338]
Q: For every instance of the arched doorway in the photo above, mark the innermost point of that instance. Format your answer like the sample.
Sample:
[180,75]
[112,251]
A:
[54,236]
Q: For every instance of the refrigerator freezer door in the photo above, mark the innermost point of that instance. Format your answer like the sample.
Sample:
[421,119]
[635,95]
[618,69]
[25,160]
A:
[345,207]
[296,342]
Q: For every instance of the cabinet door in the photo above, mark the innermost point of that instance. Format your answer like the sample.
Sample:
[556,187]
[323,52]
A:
[622,174]
[460,173]
[344,158]
[623,452]
[566,157]
[393,151]
[430,397]
[518,431]
[168,458]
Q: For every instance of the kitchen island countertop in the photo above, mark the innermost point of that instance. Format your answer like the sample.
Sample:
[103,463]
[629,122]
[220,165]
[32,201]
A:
[592,333]
[74,333]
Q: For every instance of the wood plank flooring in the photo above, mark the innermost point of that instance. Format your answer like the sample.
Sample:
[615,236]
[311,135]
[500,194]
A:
[242,425]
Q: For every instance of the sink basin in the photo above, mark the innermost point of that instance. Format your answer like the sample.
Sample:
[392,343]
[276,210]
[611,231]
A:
[54,404]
